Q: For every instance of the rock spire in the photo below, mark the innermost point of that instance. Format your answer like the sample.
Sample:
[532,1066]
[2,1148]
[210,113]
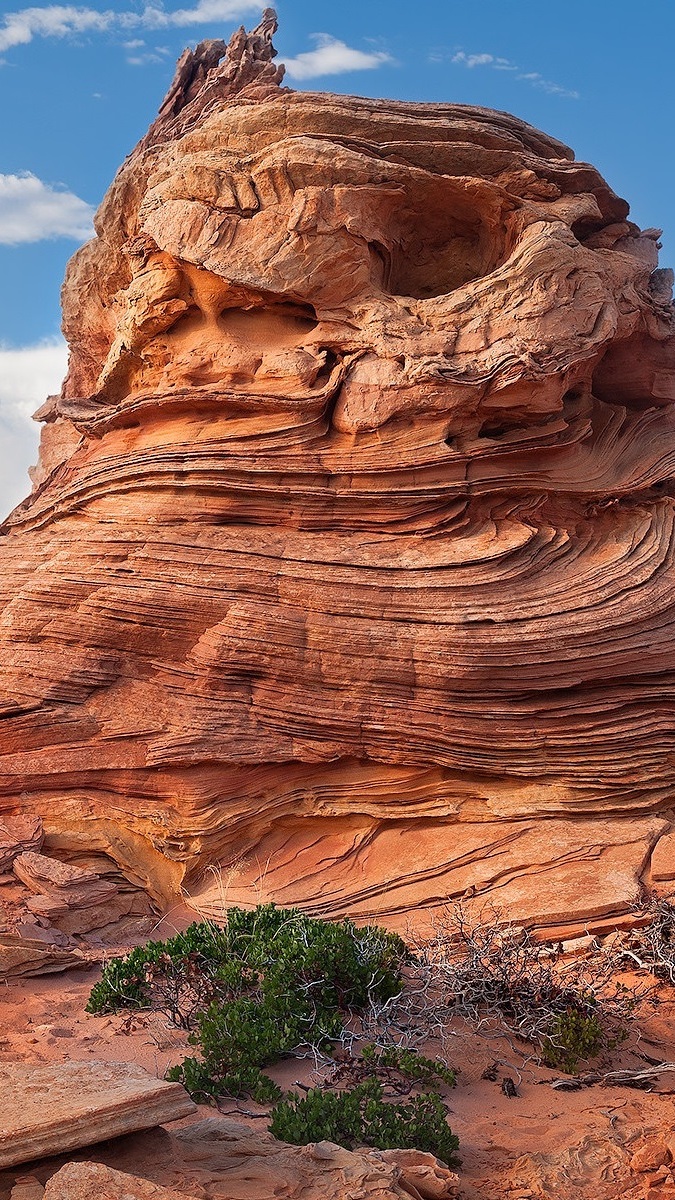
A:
[215,71]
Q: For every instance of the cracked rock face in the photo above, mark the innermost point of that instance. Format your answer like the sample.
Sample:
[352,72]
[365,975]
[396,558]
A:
[347,571]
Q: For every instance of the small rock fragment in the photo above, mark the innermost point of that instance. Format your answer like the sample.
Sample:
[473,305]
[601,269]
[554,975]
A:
[27,1187]
[651,1156]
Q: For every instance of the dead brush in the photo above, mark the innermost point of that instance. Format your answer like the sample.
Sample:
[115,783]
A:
[498,980]
[651,944]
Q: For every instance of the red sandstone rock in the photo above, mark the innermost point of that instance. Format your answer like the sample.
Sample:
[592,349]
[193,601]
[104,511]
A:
[348,566]
[18,834]
[650,1156]
[253,1167]
[31,955]
[47,906]
[69,885]
[27,1187]
[82,1181]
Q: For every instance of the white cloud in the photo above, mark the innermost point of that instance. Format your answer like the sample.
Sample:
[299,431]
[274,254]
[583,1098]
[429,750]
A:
[472,60]
[330,56]
[333,57]
[31,211]
[461,59]
[57,20]
[546,85]
[27,376]
[60,20]
[141,58]
[154,16]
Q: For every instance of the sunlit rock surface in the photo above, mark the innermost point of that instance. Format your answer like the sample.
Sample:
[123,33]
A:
[347,575]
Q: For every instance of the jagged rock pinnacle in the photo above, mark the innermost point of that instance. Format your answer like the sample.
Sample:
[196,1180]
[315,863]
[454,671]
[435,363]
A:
[213,70]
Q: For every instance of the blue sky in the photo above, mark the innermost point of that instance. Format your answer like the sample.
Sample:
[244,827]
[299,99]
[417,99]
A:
[79,85]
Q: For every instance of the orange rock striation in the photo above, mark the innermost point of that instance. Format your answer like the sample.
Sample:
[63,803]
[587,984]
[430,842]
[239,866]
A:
[348,566]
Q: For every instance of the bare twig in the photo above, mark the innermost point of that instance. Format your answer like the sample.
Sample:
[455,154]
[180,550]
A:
[635,1079]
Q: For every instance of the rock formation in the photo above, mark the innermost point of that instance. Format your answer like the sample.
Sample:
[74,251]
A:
[18,834]
[21,955]
[217,1157]
[253,1167]
[348,566]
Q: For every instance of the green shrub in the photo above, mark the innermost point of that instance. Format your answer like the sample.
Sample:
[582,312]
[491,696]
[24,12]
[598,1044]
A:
[361,1116]
[575,1036]
[413,1067]
[176,976]
[270,980]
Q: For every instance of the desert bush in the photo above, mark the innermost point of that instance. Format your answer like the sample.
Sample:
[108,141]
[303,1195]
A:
[177,976]
[361,1116]
[267,982]
[399,1069]
[495,976]
[573,1037]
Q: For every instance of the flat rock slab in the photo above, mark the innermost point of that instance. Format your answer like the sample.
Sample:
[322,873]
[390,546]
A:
[32,956]
[71,885]
[51,1110]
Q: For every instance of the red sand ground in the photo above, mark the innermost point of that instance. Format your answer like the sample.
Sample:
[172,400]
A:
[544,1142]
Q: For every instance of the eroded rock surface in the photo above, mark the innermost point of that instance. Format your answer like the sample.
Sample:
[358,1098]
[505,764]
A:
[18,834]
[249,1166]
[23,954]
[348,568]
[217,1157]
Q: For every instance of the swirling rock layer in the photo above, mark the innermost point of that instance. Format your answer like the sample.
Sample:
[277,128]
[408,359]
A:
[348,568]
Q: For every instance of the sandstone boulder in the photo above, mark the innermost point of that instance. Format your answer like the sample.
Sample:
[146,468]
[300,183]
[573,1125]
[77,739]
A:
[53,1109]
[86,1180]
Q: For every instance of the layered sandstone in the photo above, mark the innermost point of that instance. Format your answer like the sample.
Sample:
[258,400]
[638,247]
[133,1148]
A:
[348,567]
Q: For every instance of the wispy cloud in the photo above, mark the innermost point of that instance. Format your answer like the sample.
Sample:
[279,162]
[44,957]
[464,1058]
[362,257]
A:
[333,57]
[154,16]
[32,211]
[140,55]
[27,376]
[460,58]
[59,20]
